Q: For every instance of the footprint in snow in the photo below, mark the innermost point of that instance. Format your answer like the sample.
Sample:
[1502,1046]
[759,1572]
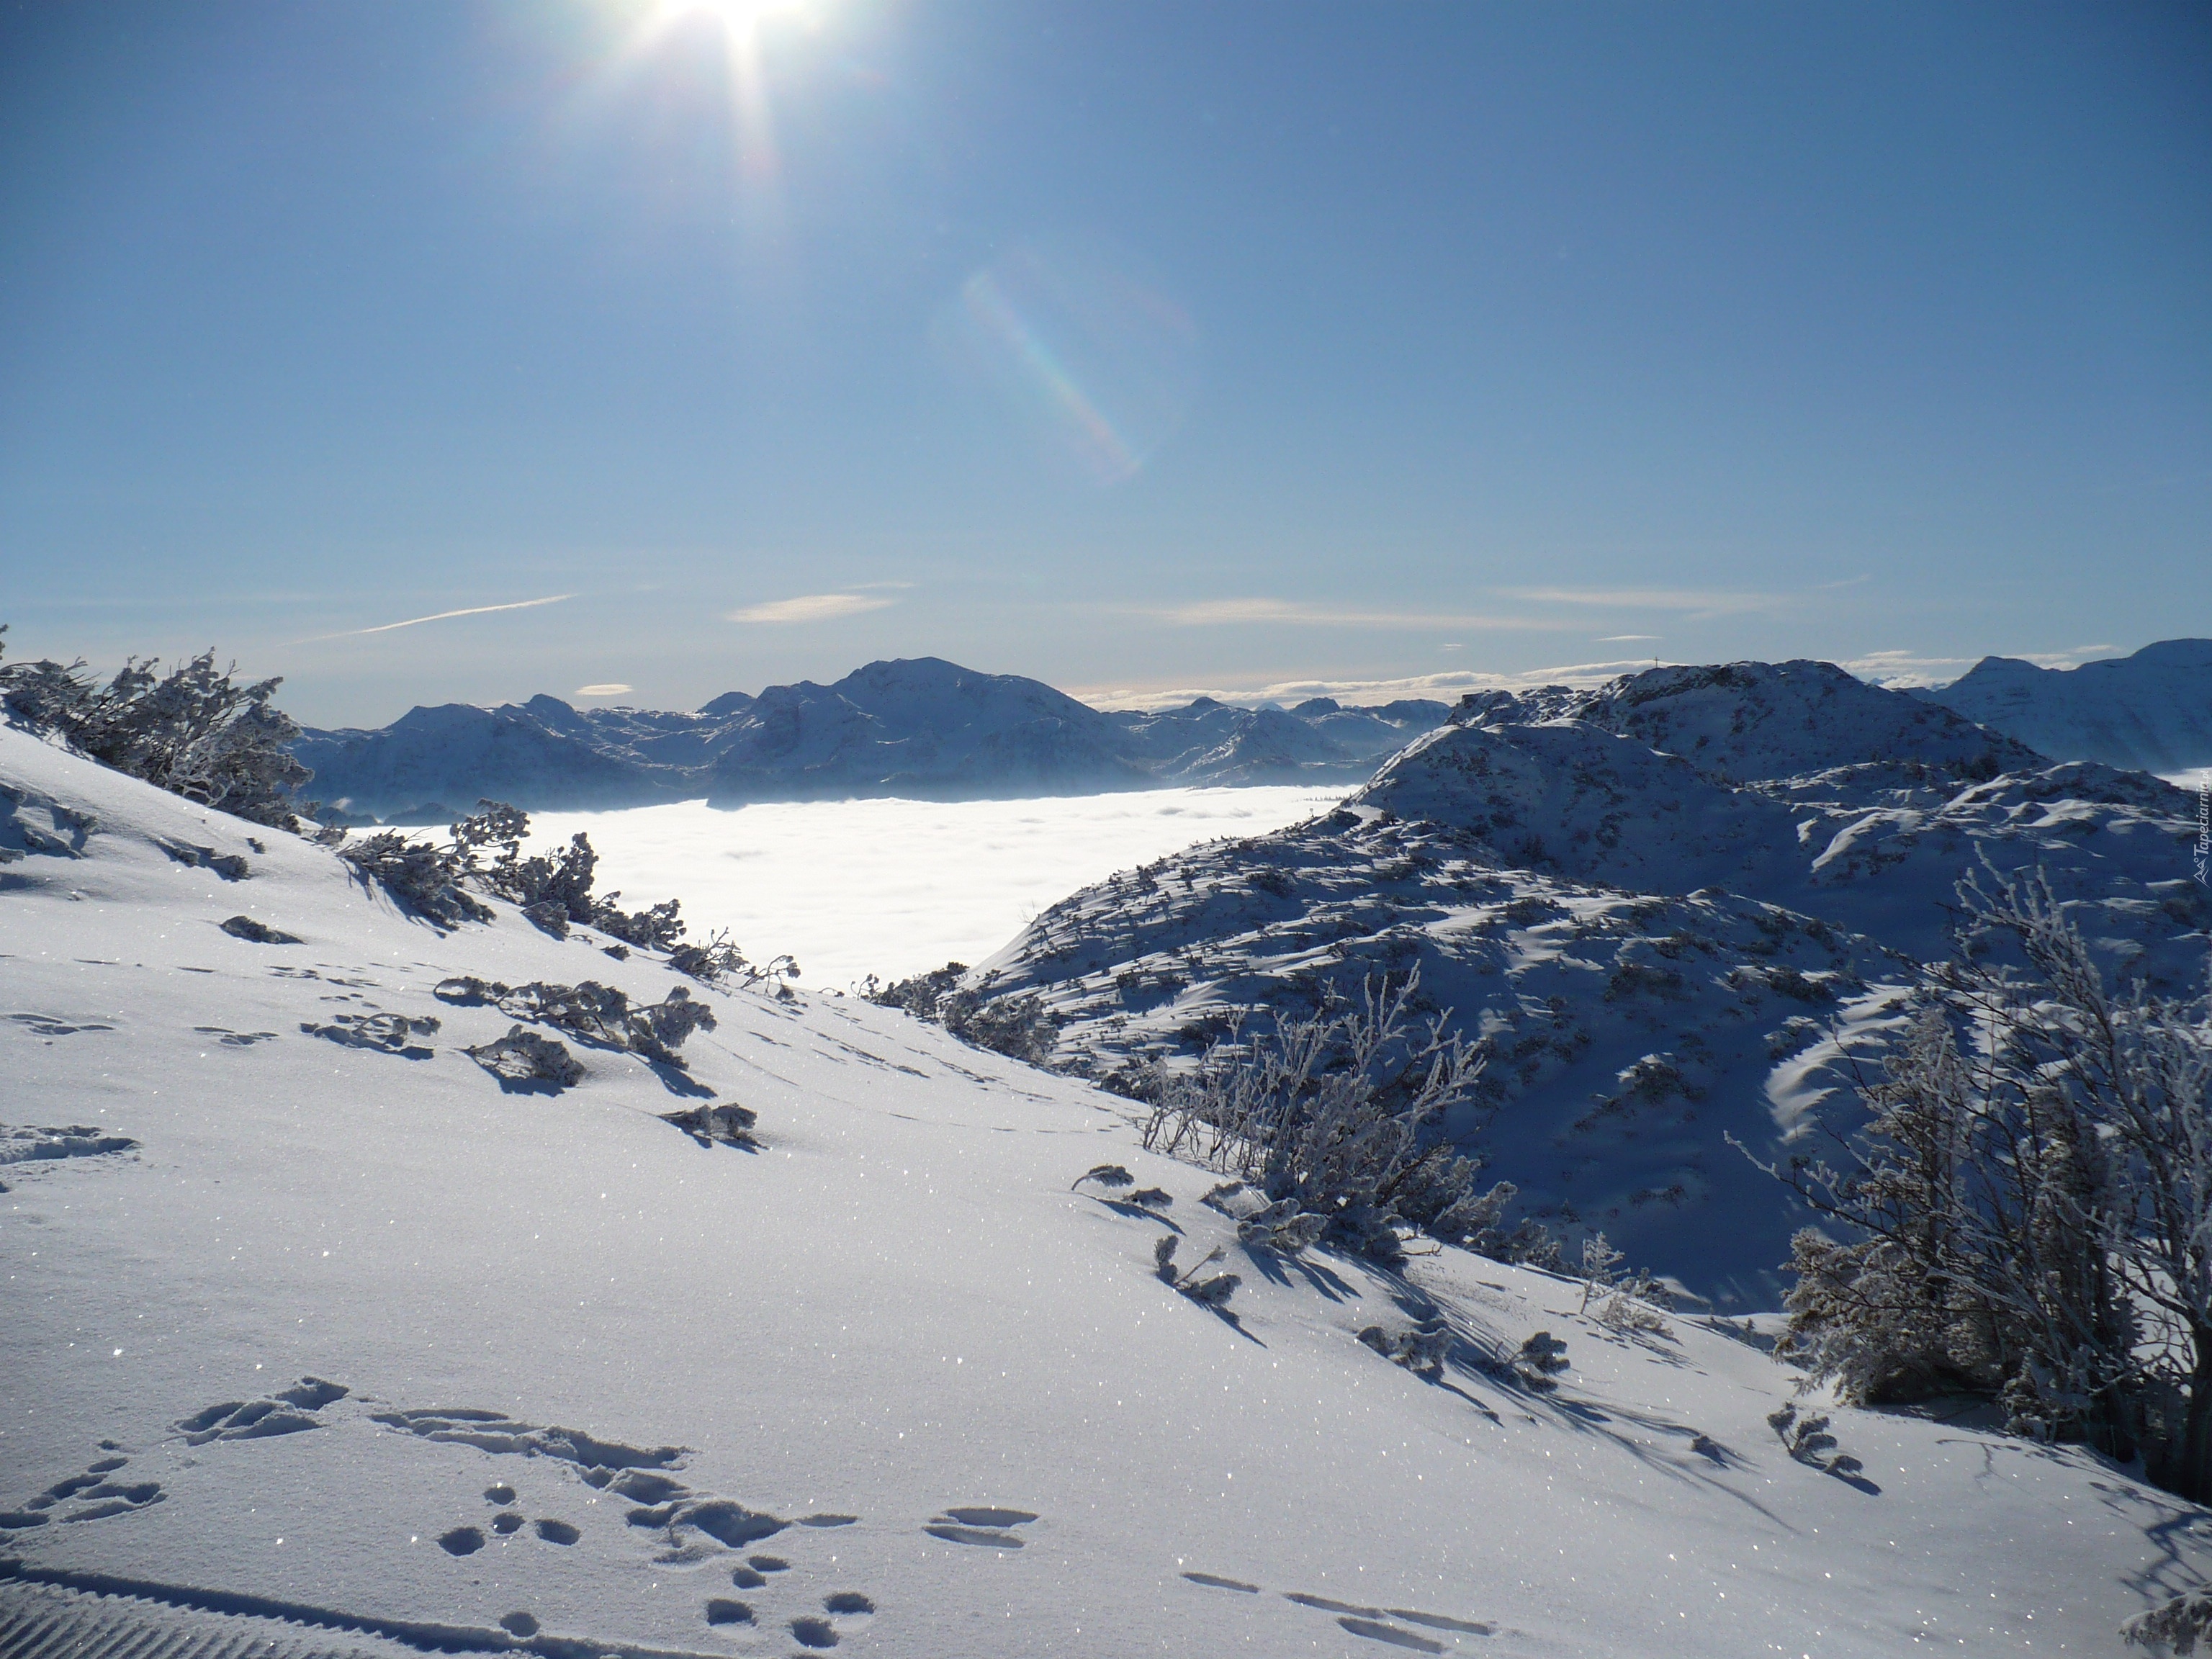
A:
[980,1524]
[99,1492]
[1375,1624]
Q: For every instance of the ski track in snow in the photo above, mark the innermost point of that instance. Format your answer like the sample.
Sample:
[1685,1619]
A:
[338,1351]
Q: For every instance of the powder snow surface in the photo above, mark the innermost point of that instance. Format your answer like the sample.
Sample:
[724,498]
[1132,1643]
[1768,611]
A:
[899,887]
[886,1381]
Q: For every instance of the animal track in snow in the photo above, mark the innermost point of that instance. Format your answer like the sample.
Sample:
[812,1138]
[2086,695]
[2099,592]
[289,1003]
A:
[497,1433]
[50,1028]
[1214,1581]
[557,1532]
[289,1411]
[1375,1630]
[32,1143]
[386,1033]
[1371,1622]
[979,1524]
[461,1540]
[98,1496]
[231,1039]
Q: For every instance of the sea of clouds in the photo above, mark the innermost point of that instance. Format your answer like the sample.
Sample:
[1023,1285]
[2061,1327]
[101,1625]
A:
[895,887]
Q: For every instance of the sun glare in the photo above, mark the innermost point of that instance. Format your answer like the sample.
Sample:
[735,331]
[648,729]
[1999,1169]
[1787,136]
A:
[738,18]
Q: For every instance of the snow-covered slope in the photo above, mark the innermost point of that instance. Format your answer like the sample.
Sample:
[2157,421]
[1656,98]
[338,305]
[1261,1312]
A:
[1651,954]
[359,1336]
[922,728]
[2152,710]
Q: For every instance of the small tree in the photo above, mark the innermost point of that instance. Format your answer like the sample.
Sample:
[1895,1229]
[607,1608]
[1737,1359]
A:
[1338,1112]
[1020,1027]
[194,731]
[2028,1205]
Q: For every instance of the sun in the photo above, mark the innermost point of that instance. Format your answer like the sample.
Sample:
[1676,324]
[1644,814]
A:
[739,19]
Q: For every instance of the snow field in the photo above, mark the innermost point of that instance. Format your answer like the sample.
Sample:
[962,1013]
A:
[844,1351]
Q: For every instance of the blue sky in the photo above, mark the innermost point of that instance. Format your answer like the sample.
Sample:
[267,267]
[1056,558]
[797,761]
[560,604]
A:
[1137,347]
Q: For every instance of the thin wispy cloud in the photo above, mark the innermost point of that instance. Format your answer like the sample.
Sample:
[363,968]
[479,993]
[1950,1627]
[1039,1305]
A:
[1445,686]
[811,608]
[439,616]
[1704,601]
[1622,638]
[1214,613]
[1909,668]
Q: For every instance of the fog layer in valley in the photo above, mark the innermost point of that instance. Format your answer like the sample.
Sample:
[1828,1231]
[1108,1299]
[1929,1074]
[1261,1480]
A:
[893,887]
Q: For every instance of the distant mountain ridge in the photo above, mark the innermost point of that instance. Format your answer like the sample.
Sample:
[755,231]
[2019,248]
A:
[919,727]
[2151,711]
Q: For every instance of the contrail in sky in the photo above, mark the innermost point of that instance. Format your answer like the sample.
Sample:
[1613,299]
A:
[472,611]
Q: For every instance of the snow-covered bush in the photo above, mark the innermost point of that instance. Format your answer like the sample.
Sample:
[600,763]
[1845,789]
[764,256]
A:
[1337,1114]
[488,845]
[524,1057]
[718,960]
[194,731]
[726,1123]
[2027,1208]
[1807,1440]
[1537,1366]
[2177,1626]
[602,1015]
[1628,1302]
[1021,1027]
[424,877]
[1208,1290]
[1420,1349]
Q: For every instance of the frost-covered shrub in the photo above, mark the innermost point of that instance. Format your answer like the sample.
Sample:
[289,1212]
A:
[727,1124]
[524,1057]
[256,932]
[2178,1626]
[1421,1349]
[718,960]
[489,845]
[1537,1366]
[1627,1302]
[422,876]
[1208,1290]
[194,731]
[2028,1207]
[1020,1027]
[602,1015]
[1807,1440]
[1336,1113]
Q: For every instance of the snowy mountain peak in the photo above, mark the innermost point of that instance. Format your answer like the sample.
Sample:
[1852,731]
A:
[1755,719]
[2152,711]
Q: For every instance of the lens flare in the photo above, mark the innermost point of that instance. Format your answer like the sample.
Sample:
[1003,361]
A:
[1082,346]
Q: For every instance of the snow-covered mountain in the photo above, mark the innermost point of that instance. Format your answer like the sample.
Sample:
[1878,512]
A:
[2151,711]
[1655,946]
[919,727]
[324,1338]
